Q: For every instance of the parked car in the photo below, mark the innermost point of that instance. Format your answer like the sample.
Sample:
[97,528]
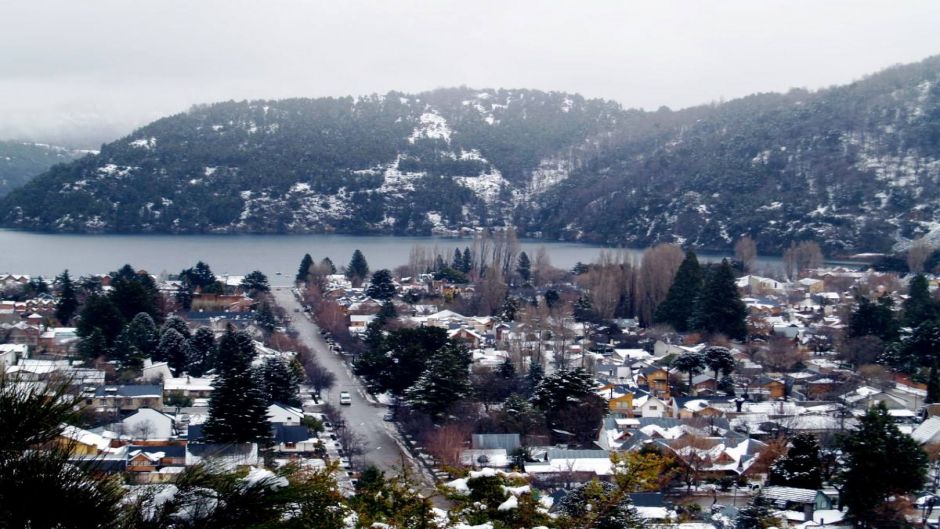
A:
[344,398]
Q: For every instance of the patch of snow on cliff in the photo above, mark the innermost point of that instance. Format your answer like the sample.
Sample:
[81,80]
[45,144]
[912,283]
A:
[144,143]
[432,126]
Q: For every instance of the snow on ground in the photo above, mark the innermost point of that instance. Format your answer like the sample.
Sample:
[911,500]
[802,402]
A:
[432,126]
[144,143]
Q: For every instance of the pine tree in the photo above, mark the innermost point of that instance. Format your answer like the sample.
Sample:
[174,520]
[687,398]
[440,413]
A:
[281,384]
[467,261]
[238,408]
[692,363]
[756,515]
[874,318]
[303,272]
[457,262]
[173,350]
[800,467]
[381,286]
[100,313]
[176,323]
[524,267]
[67,304]
[535,375]
[445,380]
[919,305]
[357,269]
[265,318]
[255,283]
[933,386]
[327,265]
[566,395]
[880,462]
[719,309]
[719,360]
[679,306]
[94,345]
[201,352]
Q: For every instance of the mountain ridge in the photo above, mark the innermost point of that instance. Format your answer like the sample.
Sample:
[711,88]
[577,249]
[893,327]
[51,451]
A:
[854,167]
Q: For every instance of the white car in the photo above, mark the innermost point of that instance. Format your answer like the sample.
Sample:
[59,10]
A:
[344,398]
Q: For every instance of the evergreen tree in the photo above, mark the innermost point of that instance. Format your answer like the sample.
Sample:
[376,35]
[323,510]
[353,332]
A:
[94,345]
[357,269]
[67,304]
[394,361]
[880,463]
[692,363]
[678,308]
[551,298]
[198,277]
[756,515]
[507,370]
[457,262]
[800,467]
[176,323]
[173,350]
[281,383]
[134,292]
[524,267]
[100,313]
[535,375]
[238,408]
[381,286]
[919,305]
[719,360]
[303,272]
[599,505]
[920,349]
[255,283]
[137,341]
[933,386]
[201,352]
[327,265]
[874,318]
[265,318]
[445,380]
[719,309]
[467,264]
[569,402]
[184,296]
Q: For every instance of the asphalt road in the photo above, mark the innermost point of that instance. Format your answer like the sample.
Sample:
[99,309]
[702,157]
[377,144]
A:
[363,417]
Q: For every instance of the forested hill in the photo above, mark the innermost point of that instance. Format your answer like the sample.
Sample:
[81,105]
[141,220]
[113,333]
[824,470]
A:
[854,167]
[20,161]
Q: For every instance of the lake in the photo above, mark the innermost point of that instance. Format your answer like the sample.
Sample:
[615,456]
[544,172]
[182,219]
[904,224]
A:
[48,254]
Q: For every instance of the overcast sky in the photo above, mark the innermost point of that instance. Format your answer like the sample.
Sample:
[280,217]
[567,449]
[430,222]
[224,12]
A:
[71,68]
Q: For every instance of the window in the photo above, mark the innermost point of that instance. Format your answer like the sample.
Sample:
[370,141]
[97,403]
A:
[653,408]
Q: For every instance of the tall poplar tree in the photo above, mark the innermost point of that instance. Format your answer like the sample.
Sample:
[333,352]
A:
[679,306]
[238,409]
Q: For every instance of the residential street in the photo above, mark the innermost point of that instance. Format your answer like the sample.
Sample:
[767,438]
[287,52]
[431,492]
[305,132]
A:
[362,416]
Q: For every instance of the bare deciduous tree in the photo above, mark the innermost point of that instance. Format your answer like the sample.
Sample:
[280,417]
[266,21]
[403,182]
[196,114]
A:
[657,270]
[801,257]
[917,255]
[745,250]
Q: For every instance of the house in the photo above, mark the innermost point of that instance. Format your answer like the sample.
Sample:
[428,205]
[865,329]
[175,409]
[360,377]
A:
[652,406]
[580,464]
[704,384]
[807,501]
[10,353]
[359,322]
[294,439]
[155,372]
[472,338]
[282,414]
[751,284]
[83,442]
[59,340]
[656,380]
[148,423]
[927,432]
[227,457]
[155,463]
[192,387]
[127,398]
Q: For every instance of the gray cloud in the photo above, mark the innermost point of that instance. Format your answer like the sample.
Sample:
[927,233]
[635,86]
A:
[98,68]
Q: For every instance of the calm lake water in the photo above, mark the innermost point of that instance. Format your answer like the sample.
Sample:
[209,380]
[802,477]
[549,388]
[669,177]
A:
[48,254]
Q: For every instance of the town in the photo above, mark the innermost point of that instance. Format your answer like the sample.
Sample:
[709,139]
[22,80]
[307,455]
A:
[481,387]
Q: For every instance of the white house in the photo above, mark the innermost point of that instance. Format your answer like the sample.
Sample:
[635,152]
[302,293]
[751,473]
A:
[281,414]
[149,423]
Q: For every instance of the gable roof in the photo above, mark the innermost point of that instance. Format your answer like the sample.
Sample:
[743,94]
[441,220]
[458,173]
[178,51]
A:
[488,441]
